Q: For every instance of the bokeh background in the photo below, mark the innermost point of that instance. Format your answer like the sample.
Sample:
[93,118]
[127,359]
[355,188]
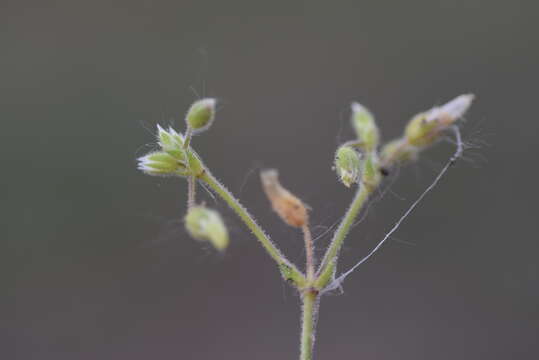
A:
[95,261]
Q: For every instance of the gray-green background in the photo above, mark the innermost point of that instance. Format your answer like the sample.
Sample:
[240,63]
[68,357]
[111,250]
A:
[95,262]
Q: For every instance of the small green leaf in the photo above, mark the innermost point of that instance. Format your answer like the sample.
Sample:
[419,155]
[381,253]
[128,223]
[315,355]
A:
[291,275]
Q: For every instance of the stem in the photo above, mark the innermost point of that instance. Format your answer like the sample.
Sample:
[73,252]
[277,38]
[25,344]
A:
[309,252]
[308,323]
[188,136]
[267,244]
[397,153]
[330,258]
[191,191]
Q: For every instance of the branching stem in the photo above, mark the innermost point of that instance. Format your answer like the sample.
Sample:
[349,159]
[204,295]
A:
[235,205]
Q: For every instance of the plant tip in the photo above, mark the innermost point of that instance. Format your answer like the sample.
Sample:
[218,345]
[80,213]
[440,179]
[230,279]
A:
[365,127]
[201,114]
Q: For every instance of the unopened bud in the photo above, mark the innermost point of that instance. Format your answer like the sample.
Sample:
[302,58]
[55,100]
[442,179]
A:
[365,126]
[419,131]
[348,165]
[201,114]
[207,225]
[171,142]
[454,109]
[426,127]
[160,163]
[291,209]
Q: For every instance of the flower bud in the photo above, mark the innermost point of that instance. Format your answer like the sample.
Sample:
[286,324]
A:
[454,109]
[419,131]
[171,142]
[160,163]
[426,127]
[365,126]
[201,114]
[207,225]
[348,165]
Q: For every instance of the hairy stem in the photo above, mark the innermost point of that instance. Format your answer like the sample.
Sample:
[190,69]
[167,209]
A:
[309,252]
[188,136]
[267,244]
[327,267]
[191,191]
[308,323]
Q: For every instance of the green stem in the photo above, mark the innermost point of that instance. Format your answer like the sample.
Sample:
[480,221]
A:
[309,253]
[327,267]
[292,273]
[308,323]
[191,191]
[188,136]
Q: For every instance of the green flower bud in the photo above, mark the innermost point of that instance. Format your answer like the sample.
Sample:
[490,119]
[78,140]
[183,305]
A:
[201,114]
[421,132]
[160,163]
[347,165]
[426,127]
[171,142]
[207,225]
[365,127]
[169,139]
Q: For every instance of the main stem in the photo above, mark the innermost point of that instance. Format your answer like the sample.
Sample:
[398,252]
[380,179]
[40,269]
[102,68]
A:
[308,323]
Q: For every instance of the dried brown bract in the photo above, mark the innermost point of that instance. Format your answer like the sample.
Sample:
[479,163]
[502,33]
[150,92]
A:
[286,205]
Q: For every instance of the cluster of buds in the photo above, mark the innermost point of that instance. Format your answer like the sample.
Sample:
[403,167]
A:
[176,158]
[358,161]
[171,159]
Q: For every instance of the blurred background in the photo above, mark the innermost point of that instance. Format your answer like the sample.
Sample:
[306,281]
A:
[95,261]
